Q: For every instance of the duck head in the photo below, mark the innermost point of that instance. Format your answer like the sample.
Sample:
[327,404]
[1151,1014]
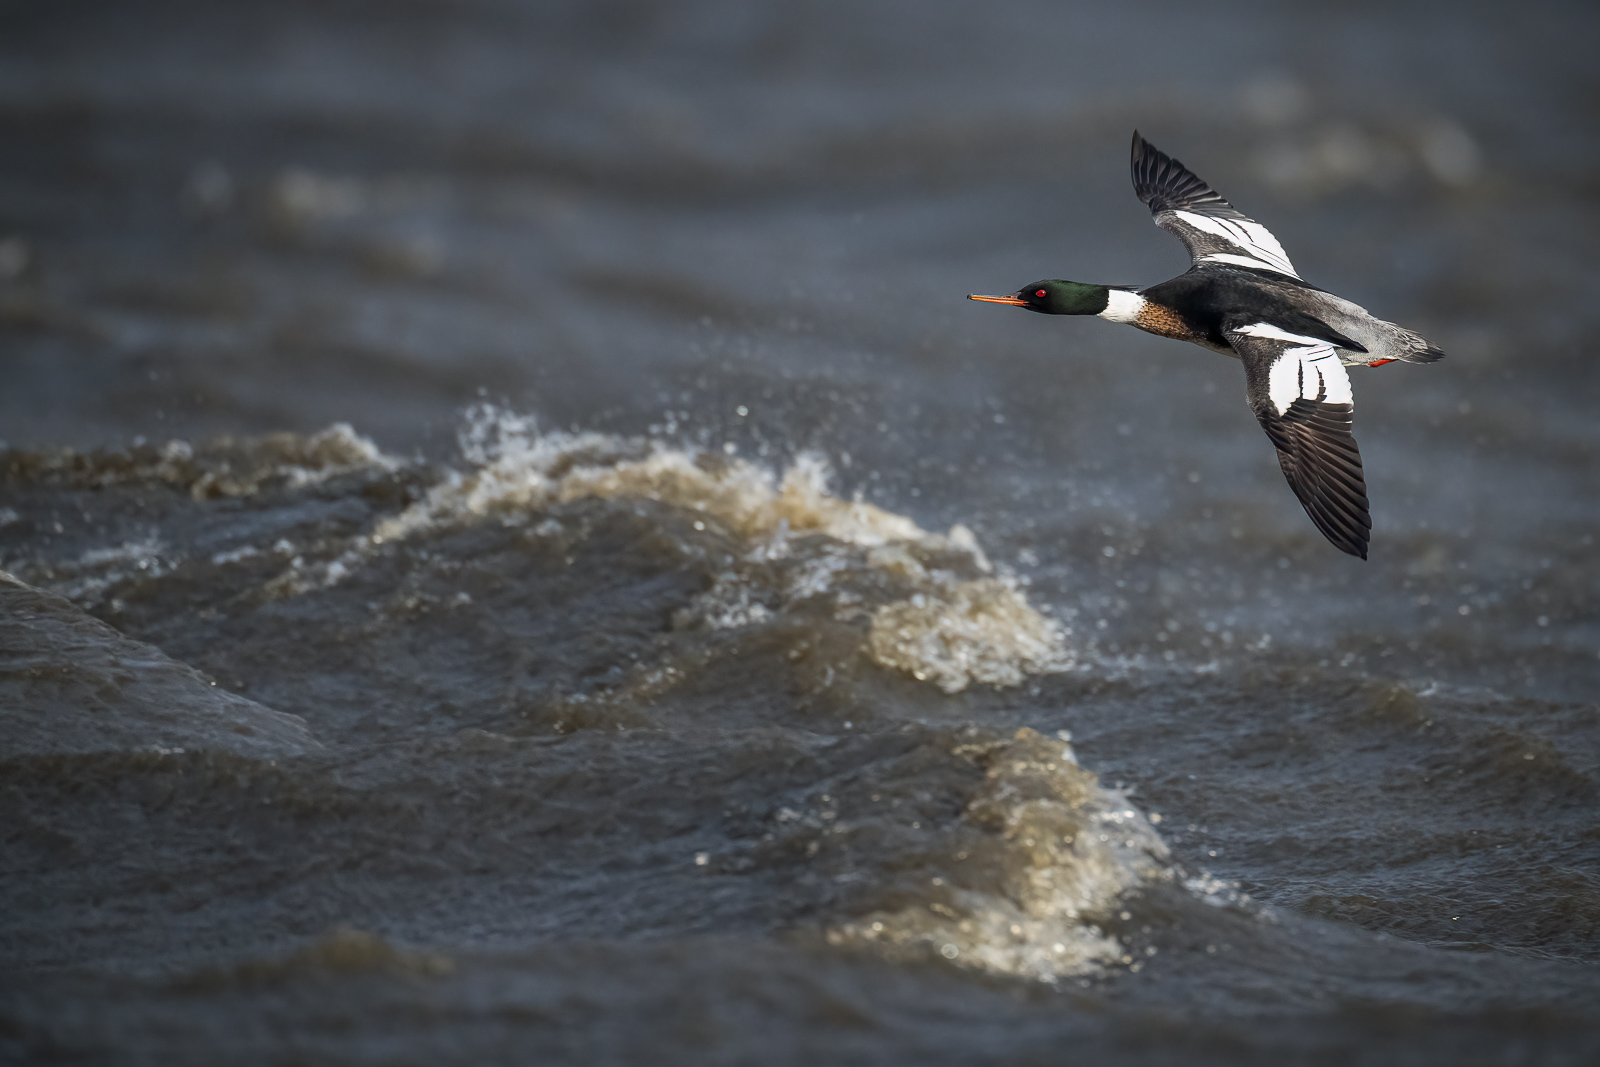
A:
[1055,297]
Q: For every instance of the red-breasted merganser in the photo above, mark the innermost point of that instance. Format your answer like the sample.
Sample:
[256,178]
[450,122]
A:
[1243,297]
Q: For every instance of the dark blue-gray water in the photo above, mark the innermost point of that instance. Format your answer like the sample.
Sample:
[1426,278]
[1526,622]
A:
[516,549]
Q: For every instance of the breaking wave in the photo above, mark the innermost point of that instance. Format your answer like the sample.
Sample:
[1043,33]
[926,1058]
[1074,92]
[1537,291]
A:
[959,624]
[410,586]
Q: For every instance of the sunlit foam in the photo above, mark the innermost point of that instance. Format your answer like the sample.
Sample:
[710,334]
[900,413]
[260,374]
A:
[963,632]
[953,631]
[1058,853]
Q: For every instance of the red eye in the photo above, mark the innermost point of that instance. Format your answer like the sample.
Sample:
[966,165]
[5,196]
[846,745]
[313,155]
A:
[1039,293]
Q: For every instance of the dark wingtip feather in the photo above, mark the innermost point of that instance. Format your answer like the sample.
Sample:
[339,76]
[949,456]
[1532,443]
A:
[1143,149]
[1148,167]
[1351,539]
[1162,183]
[1322,465]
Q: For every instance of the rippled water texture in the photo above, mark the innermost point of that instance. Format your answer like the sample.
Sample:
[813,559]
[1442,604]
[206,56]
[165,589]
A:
[514,548]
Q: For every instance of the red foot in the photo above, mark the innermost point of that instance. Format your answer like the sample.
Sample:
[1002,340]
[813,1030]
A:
[1379,362]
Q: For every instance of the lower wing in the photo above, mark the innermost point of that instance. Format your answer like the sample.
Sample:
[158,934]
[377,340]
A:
[1301,395]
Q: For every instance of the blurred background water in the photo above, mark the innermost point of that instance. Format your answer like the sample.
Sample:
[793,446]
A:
[647,711]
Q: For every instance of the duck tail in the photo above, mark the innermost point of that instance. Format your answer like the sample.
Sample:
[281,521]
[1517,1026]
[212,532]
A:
[1425,352]
[1415,348]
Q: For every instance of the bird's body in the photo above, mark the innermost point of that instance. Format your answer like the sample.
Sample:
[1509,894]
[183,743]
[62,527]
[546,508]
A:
[1243,297]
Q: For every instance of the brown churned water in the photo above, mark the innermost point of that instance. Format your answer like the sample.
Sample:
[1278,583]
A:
[515,548]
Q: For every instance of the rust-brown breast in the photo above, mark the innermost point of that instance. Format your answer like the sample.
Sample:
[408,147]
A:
[1164,321]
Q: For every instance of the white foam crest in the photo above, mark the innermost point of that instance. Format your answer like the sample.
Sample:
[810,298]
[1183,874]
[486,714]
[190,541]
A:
[517,468]
[1070,849]
[952,632]
[226,466]
[962,632]
[97,569]
[731,604]
[240,468]
[334,451]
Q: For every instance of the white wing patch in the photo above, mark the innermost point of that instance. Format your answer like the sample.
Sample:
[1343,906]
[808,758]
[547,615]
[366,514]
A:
[1256,247]
[1309,369]
[1240,261]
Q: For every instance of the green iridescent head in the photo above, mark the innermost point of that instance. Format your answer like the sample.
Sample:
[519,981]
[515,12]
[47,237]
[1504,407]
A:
[1054,296]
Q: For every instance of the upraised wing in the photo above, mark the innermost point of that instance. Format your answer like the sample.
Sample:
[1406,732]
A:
[1213,230]
[1301,395]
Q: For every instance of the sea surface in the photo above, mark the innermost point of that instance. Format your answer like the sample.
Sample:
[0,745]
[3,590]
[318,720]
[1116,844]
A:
[515,549]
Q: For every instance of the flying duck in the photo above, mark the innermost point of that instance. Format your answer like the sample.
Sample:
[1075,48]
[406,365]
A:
[1242,297]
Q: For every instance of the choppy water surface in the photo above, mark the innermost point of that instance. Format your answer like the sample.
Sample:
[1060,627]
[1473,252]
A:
[515,547]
